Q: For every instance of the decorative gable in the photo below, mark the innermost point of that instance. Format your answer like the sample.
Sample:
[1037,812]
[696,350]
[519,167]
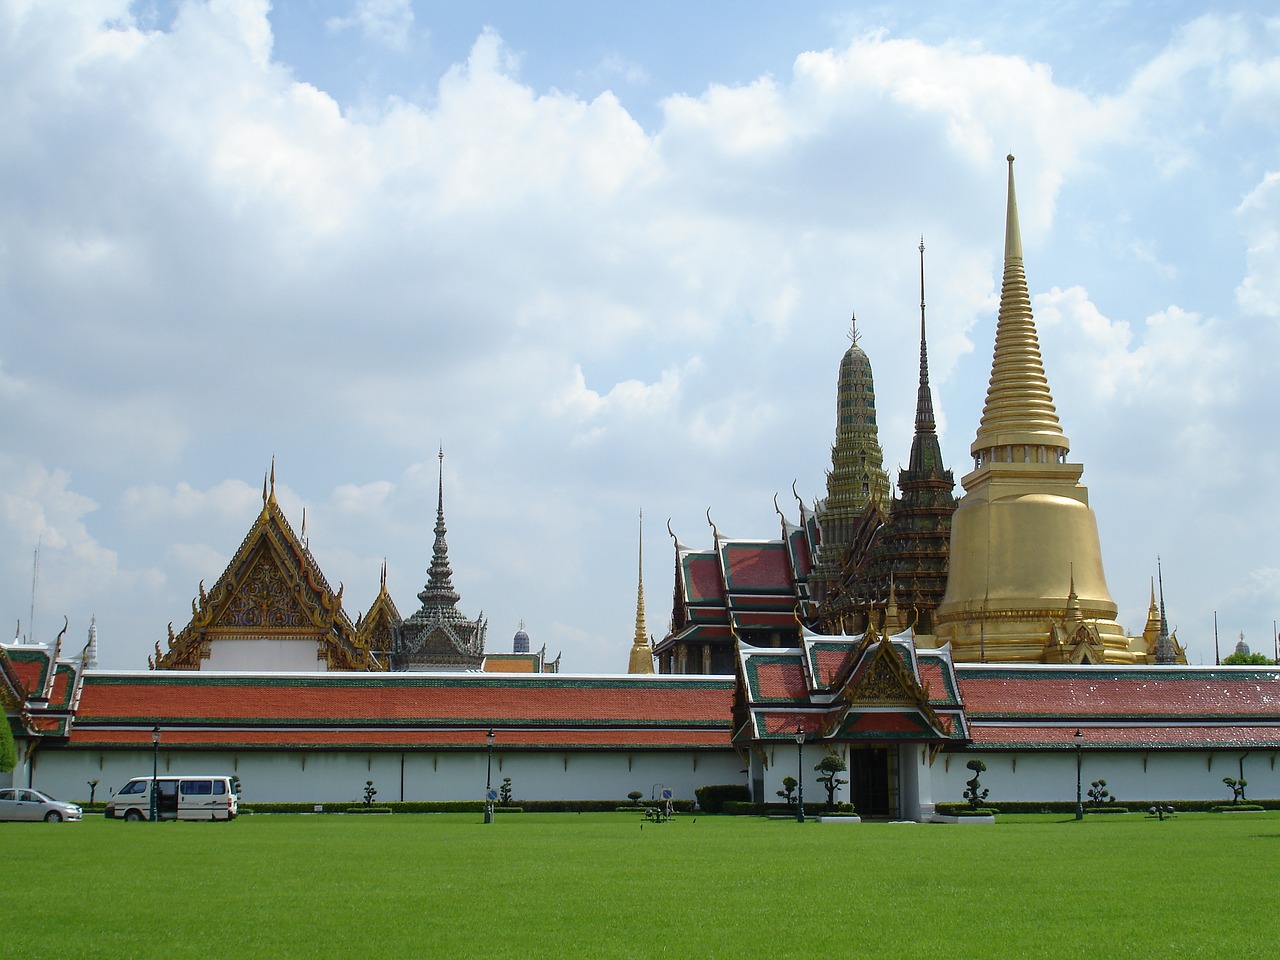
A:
[272,588]
[264,600]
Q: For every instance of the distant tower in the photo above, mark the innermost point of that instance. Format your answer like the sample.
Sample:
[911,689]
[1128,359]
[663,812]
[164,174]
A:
[1166,646]
[1023,537]
[438,636]
[857,485]
[909,555]
[520,644]
[641,652]
[89,659]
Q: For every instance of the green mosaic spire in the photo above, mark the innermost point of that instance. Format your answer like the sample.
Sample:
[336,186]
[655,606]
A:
[857,475]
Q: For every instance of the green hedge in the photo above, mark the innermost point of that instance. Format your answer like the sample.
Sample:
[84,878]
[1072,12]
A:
[463,806]
[741,808]
[1130,806]
[711,799]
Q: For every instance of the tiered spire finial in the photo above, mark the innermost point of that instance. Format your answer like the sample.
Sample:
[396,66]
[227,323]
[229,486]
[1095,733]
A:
[641,660]
[439,588]
[1019,408]
[1164,644]
[642,633]
[926,425]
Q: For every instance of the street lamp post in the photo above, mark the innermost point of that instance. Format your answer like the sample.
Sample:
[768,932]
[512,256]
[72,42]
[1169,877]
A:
[800,774]
[488,778]
[1079,739]
[155,772]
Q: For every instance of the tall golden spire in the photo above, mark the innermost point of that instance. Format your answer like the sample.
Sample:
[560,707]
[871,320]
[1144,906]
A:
[641,651]
[1025,558]
[1019,410]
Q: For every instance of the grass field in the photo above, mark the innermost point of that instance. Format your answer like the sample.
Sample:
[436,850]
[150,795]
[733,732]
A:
[597,885]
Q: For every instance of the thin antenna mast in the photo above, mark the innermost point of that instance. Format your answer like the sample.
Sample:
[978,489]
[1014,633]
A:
[35,578]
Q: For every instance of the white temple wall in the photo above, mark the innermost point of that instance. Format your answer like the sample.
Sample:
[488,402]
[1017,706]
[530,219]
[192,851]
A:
[315,776]
[1130,774]
[265,655]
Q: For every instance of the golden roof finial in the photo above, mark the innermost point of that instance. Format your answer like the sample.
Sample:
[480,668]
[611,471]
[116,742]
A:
[641,653]
[1012,231]
[854,335]
[272,497]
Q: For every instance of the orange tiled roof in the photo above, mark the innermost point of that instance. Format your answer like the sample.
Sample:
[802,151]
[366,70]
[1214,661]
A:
[1133,692]
[398,710]
[418,738]
[359,698]
[1190,736]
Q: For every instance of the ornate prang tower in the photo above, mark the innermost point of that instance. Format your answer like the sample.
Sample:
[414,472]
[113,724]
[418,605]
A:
[909,556]
[641,651]
[438,636]
[857,485]
[1026,581]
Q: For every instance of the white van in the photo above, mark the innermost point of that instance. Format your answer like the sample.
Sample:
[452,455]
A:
[177,798]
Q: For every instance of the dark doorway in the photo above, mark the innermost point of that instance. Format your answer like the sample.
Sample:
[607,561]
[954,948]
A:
[869,779]
[167,800]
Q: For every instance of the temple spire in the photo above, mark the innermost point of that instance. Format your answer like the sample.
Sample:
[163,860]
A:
[89,658]
[1019,411]
[641,652]
[438,636]
[925,451]
[1165,652]
[1025,551]
[439,588]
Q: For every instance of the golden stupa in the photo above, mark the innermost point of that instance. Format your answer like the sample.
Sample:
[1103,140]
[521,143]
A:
[641,659]
[1026,582]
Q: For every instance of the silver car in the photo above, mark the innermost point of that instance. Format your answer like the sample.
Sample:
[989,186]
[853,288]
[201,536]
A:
[24,804]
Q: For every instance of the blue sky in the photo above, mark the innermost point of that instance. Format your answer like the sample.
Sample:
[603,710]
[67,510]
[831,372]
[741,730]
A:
[607,259]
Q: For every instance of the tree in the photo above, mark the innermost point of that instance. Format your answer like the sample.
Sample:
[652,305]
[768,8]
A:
[8,752]
[370,791]
[1237,789]
[827,768]
[1247,659]
[788,791]
[504,792]
[1099,794]
[974,791]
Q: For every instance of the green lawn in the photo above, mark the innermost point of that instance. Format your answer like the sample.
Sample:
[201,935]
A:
[598,885]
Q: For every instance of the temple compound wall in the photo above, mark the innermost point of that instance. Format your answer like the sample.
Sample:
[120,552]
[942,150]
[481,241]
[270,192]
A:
[339,776]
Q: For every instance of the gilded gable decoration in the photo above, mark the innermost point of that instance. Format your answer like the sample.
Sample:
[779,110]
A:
[271,589]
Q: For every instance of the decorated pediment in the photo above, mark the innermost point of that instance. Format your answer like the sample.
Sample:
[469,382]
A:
[264,599]
[271,587]
[884,681]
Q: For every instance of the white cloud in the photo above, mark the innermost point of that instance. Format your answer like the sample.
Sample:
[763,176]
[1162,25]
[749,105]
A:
[1259,293]
[204,259]
[364,498]
[386,22]
[229,499]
